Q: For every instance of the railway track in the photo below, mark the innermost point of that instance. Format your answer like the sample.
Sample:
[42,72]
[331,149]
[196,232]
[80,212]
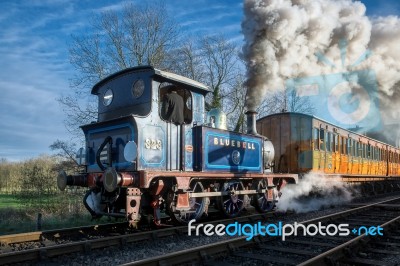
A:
[305,250]
[37,246]
[43,246]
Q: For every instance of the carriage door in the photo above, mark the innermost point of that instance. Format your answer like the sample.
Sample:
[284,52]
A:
[316,152]
[350,155]
[322,146]
[336,154]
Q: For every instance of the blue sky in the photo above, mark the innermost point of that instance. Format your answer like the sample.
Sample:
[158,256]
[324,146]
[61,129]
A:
[34,37]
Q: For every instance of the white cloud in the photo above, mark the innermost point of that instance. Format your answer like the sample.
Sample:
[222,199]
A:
[35,70]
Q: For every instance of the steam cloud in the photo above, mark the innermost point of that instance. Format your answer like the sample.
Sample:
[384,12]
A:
[283,37]
[313,192]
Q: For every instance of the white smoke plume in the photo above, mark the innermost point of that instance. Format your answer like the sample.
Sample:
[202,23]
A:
[313,192]
[283,37]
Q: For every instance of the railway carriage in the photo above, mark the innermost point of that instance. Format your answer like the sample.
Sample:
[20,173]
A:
[305,143]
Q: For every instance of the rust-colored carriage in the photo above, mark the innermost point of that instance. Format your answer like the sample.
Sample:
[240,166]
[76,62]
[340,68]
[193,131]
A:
[305,143]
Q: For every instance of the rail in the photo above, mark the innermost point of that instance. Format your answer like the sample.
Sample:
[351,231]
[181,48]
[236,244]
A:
[208,253]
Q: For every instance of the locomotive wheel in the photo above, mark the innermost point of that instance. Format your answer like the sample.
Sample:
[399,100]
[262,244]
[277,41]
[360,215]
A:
[261,202]
[232,204]
[197,206]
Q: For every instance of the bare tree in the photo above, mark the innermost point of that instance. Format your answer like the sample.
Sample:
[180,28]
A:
[298,104]
[234,103]
[221,63]
[137,35]
[285,101]
[146,35]
[214,61]
[65,150]
[187,61]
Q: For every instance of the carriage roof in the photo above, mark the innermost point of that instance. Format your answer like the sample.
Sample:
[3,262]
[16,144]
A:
[349,130]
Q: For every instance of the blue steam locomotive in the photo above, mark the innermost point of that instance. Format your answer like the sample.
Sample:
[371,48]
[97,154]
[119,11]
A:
[141,159]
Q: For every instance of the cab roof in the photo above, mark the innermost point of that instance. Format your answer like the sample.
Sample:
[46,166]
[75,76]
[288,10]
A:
[157,74]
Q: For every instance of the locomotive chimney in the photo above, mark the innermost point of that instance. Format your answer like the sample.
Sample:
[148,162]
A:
[251,122]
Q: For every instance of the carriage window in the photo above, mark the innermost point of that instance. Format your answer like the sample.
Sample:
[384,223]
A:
[356,148]
[167,89]
[316,138]
[369,151]
[322,140]
[336,139]
[365,150]
[329,142]
[349,149]
[362,150]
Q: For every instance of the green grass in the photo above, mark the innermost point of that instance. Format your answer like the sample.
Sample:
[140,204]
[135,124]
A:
[10,201]
[19,214]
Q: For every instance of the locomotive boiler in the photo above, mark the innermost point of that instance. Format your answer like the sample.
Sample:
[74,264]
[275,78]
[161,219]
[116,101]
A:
[139,162]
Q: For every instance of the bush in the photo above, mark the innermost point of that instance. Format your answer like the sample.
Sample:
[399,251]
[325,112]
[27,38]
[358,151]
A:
[30,187]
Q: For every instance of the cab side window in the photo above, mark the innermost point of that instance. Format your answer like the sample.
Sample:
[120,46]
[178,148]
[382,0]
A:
[169,92]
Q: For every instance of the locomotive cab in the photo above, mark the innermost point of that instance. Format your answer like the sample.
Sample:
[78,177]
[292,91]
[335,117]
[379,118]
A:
[130,111]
